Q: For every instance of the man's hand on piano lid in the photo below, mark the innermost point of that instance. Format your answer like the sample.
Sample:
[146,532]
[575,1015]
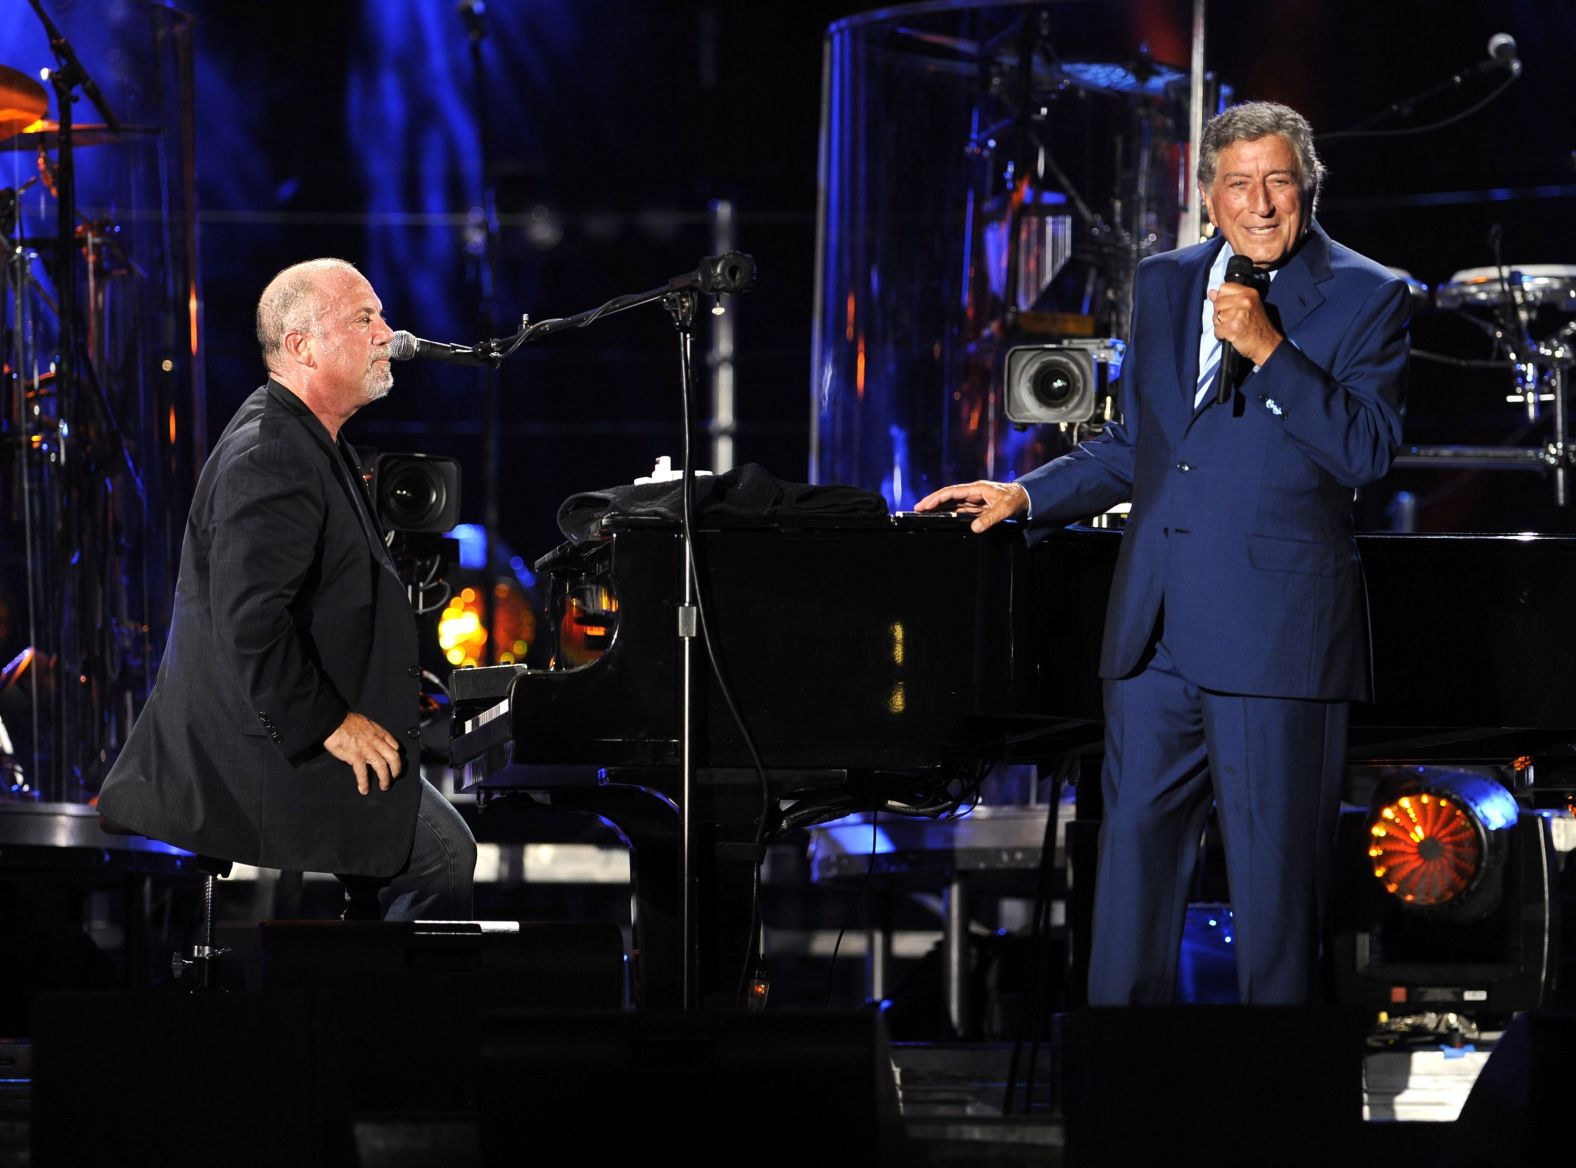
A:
[988,502]
[369,749]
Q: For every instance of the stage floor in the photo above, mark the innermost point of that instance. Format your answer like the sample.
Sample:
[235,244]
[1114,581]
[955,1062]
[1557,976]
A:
[951,1100]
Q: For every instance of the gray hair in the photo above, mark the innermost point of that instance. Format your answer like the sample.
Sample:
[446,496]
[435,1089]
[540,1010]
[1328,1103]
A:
[1255,119]
[293,302]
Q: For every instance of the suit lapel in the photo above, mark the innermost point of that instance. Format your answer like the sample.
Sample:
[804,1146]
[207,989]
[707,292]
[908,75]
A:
[1295,292]
[1186,305]
[354,489]
[1187,311]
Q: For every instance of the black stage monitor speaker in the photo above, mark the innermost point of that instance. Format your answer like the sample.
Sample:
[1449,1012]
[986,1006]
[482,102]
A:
[135,1079]
[1213,1085]
[1519,1109]
[494,963]
[756,1089]
[405,1000]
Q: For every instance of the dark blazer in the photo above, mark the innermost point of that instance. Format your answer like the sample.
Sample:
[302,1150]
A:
[288,614]
[1241,521]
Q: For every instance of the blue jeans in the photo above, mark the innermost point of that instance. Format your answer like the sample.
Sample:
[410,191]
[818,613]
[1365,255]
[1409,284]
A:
[436,882]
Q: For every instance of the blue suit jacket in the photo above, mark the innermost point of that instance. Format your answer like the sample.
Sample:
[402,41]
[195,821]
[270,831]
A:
[1241,521]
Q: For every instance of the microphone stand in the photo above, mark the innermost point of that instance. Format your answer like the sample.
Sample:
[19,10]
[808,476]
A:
[729,273]
[681,307]
[732,272]
[472,13]
[1406,107]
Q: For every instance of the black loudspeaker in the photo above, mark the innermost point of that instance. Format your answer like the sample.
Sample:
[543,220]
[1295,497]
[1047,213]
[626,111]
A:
[1519,1109]
[498,963]
[406,999]
[158,1079]
[756,1089]
[1219,1085]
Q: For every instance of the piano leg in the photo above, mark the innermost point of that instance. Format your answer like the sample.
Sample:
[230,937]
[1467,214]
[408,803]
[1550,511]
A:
[726,864]
[649,826]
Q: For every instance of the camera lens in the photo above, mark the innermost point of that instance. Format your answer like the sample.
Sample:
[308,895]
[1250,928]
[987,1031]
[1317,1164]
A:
[413,497]
[1053,385]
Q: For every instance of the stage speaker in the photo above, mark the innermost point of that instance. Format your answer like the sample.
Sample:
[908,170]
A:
[1516,1112]
[406,999]
[570,966]
[158,1079]
[1212,1084]
[758,1089]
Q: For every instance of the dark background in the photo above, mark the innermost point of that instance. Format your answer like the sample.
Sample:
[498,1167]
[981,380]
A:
[348,129]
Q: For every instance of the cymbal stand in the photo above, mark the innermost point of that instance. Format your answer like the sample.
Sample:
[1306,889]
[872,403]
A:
[22,427]
[76,627]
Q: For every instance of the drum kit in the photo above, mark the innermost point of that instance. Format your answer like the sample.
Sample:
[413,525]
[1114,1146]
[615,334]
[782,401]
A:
[1529,313]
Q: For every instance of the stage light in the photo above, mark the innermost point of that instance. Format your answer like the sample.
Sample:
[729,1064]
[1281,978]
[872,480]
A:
[463,637]
[460,633]
[1444,896]
[1436,840]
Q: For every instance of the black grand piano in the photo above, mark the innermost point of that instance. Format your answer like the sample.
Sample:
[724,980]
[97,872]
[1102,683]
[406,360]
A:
[881,663]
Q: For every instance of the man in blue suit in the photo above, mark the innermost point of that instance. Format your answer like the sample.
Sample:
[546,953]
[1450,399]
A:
[1237,628]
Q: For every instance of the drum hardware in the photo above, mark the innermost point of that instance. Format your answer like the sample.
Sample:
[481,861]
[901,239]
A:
[66,442]
[1550,368]
[1519,302]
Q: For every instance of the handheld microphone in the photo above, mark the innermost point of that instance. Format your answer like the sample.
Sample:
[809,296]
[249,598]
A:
[404,347]
[1239,270]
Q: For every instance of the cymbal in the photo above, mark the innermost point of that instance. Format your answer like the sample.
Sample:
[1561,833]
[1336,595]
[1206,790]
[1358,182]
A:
[45,135]
[1142,76]
[1539,284]
[1123,77]
[22,100]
